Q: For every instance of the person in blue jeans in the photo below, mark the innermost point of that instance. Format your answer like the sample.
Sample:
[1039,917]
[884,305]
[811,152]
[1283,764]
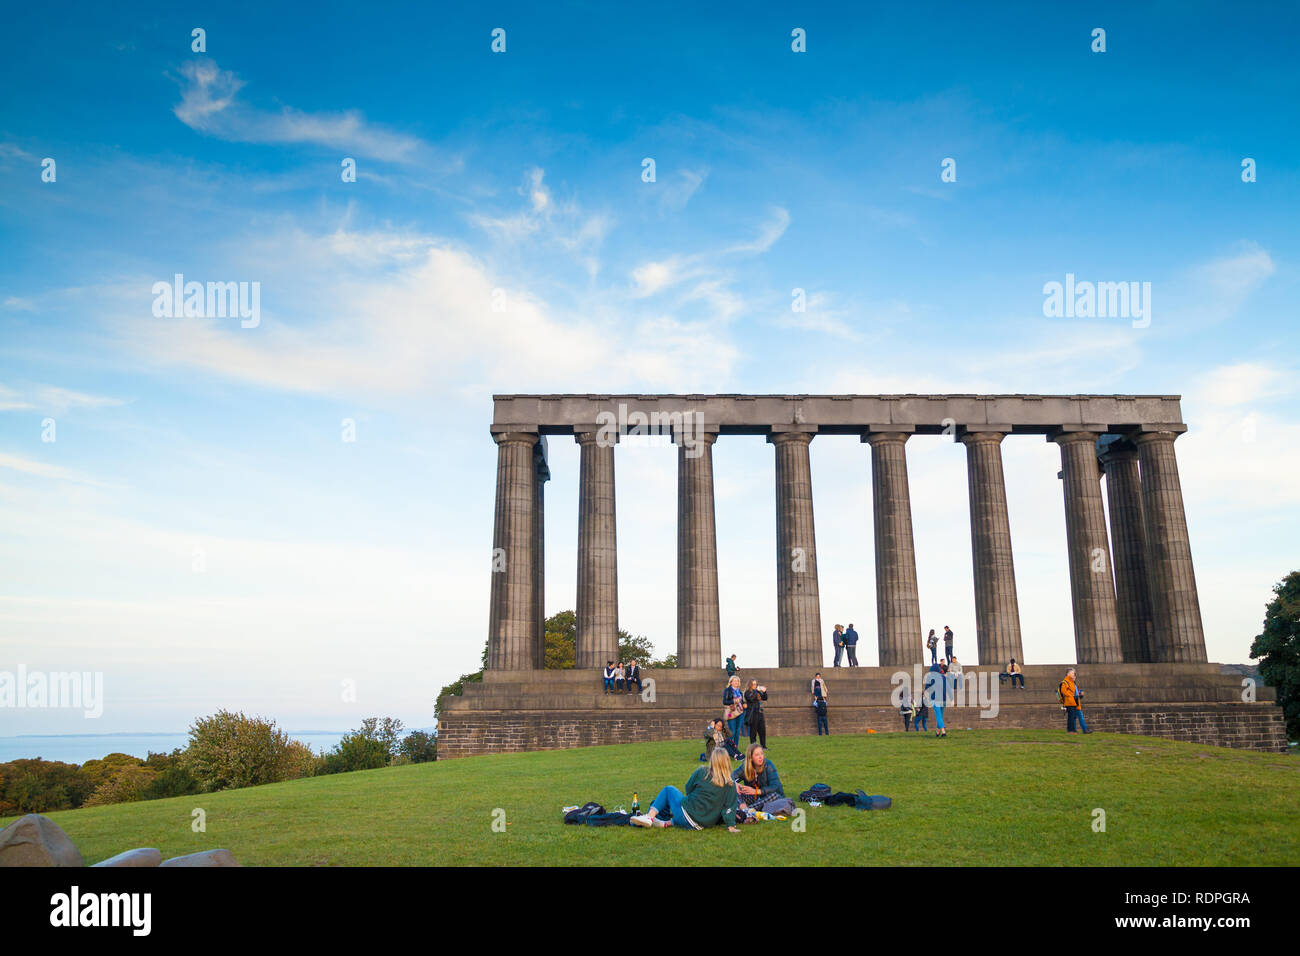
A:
[819,708]
[922,719]
[936,695]
[733,703]
[609,677]
[851,645]
[837,639]
[710,798]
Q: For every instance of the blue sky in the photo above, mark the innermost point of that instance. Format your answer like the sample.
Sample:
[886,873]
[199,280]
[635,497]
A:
[184,443]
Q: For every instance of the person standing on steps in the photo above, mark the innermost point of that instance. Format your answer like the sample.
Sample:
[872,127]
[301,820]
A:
[754,697]
[851,645]
[932,643]
[731,666]
[947,642]
[733,704]
[837,638]
[905,708]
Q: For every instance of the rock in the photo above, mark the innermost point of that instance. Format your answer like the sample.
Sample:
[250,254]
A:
[35,840]
[206,858]
[141,857]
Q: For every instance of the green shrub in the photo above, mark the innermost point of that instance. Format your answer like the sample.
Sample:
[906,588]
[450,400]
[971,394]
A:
[229,750]
[418,747]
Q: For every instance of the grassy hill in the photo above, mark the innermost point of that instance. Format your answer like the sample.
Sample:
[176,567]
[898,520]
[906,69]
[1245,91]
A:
[992,797]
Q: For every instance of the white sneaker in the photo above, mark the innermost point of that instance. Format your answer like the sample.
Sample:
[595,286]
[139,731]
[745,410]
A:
[643,821]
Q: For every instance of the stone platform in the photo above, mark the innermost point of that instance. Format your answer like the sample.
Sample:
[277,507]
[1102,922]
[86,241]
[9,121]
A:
[525,710]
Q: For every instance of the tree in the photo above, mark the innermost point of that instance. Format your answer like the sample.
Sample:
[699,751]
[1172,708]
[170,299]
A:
[374,744]
[1278,650]
[419,747]
[561,639]
[229,750]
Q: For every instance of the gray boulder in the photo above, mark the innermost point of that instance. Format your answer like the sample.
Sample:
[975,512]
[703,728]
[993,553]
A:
[206,858]
[35,840]
[146,856]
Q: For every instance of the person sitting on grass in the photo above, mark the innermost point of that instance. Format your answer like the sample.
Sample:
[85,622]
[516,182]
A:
[710,799]
[756,779]
[717,735]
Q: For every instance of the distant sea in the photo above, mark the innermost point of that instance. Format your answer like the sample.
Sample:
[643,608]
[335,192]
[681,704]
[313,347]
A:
[78,748]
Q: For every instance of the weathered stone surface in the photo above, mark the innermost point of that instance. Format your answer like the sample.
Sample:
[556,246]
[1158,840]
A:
[36,840]
[206,858]
[1128,542]
[597,605]
[513,625]
[1193,702]
[798,601]
[1175,606]
[699,630]
[997,608]
[898,604]
[1092,587]
[145,856]
[844,414]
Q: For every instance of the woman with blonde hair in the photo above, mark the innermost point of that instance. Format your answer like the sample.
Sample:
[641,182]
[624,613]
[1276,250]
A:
[710,799]
[757,779]
[733,708]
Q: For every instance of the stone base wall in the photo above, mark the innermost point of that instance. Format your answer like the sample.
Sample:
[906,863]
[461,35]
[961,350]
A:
[516,711]
[1244,726]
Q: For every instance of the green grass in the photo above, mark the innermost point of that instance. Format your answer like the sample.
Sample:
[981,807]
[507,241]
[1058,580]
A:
[987,797]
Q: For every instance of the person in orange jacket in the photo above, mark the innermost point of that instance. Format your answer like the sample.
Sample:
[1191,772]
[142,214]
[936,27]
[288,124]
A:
[1072,701]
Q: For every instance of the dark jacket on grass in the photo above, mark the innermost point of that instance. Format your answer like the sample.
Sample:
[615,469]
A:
[706,805]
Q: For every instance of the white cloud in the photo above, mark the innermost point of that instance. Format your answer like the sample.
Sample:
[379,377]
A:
[385,314]
[210,104]
[40,469]
[1235,276]
[52,399]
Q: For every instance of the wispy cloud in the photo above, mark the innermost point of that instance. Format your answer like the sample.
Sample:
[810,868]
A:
[41,469]
[210,104]
[51,398]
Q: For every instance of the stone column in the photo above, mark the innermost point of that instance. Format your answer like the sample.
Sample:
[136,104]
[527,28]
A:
[898,606]
[543,476]
[1092,589]
[997,609]
[798,606]
[597,606]
[1128,541]
[513,623]
[1175,607]
[699,632]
